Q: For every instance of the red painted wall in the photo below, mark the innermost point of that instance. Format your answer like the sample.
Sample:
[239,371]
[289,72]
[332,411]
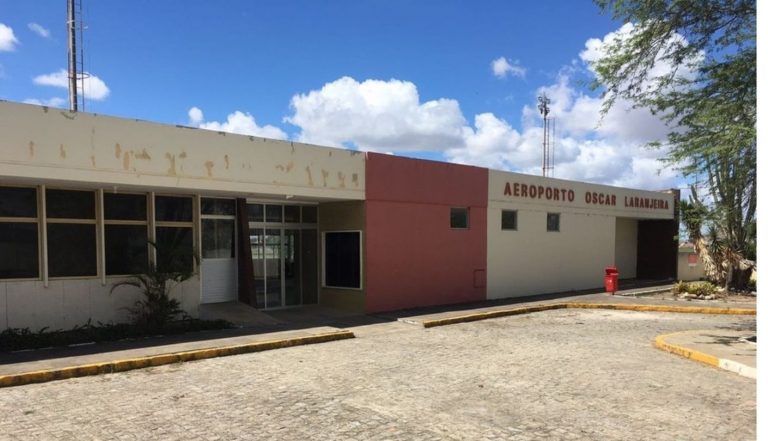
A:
[412,256]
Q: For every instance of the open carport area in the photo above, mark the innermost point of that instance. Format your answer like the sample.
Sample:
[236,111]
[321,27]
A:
[560,374]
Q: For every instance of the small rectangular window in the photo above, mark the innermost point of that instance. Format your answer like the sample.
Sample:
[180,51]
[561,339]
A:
[125,207]
[342,259]
[460,218]
[173,208]
[508,219]
[70,204]
[217,206]
[553,221]
[18,202]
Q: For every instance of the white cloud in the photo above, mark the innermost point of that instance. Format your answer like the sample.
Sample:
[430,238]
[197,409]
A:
[93,88]
[51,102]
[39,30]
[376,115]
[195,116]
[8,40]
[502,67]
[237,122]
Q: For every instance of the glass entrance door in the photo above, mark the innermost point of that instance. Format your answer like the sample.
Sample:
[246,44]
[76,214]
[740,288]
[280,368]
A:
[284,253]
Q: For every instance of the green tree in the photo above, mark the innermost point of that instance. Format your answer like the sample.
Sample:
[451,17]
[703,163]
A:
[693,63]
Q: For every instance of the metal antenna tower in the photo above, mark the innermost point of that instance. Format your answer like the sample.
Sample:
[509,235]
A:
[76,72]
[548,156]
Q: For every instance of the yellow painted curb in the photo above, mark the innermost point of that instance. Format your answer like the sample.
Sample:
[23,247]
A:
[701,357]
[614,306]
[158,360]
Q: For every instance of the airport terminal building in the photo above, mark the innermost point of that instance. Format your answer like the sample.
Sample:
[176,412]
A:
[281,224]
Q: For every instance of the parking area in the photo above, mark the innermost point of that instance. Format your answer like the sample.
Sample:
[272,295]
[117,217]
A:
[561,374]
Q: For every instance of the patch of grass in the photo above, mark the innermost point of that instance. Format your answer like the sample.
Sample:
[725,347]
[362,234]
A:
[695,288]
[14,339]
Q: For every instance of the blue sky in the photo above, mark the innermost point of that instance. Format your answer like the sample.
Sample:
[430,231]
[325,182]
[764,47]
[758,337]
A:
[413,78]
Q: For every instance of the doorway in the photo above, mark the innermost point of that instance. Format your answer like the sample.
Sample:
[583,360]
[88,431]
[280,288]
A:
[284,245]
[218,266]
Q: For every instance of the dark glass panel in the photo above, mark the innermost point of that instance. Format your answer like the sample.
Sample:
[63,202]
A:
[256,212]
[218,238]
[125,206]
[173,208]
[342,259]
[18,202]
[459,218]
[217,206]
[71,250]
[125,249]
[175,249]
[309,214]
[18,251]
[70,204]
[292,214]
[553,222]
[274,213]
[508,220]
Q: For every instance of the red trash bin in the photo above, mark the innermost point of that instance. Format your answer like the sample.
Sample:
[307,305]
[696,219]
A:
[611,279]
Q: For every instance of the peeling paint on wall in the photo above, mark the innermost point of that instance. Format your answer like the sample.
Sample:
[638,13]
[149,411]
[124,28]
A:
[171,164]
[325,177]
[310,182]
[118,151]
[226,162]
[62,152]
[126,160]
[143,155]
[209,168]
[355,180]
[342,180]
[93,161]
[31,149]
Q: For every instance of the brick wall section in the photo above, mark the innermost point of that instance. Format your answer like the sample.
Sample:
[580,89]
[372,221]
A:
[413,258]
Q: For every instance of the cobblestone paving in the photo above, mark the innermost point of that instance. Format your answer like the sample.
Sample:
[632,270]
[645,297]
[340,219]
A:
[562,375]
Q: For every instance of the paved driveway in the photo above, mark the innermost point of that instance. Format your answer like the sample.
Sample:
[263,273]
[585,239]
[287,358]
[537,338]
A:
[565,374]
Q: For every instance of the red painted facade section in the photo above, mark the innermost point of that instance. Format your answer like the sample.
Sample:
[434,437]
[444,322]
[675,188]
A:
[412,256]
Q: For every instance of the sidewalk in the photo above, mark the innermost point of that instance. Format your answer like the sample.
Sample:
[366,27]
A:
[299,326]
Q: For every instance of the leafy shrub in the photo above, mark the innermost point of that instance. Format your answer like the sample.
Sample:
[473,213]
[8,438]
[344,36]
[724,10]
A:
[696,288]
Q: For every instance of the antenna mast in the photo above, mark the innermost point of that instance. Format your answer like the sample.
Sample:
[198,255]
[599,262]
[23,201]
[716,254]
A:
[548,154]
[75,54]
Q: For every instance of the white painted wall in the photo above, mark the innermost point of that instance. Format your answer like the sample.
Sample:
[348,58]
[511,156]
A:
[626,247]
[40,142]
[68,303]
[686,271]
[532,261]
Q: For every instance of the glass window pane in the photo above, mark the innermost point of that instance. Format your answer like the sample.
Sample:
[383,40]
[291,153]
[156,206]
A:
[218,238]
[70,204]
[217,206]
[256,212]
[553,222]
[71,250]
[173,208]
[125,206]
[342,259]
[125,248]
[274,213]
[459,218]
[292,213]
[175,249]
[18,250]
[508,220]
[18,202]
[309,214]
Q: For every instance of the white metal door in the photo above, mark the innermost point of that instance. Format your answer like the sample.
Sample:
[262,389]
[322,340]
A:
[219,265]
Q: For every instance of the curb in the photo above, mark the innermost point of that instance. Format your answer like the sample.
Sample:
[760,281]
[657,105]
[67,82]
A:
[161,359]
[646,292]
[722,363]
[614,306]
